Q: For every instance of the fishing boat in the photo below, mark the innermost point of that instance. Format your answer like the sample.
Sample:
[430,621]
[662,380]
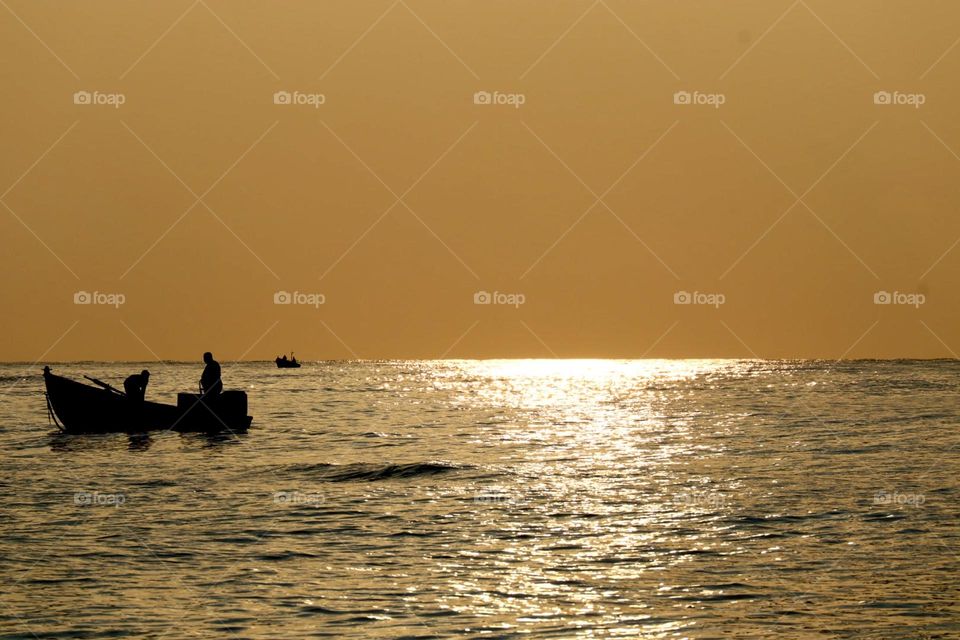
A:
[76,407]
[284,363]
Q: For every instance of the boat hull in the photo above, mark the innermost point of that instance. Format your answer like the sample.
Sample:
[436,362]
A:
[81,408]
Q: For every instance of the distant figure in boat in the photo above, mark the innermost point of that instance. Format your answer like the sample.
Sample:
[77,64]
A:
[284,363]
[135,386]
[210,382]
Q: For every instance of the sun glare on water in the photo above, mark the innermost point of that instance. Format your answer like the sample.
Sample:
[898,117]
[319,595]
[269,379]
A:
[576,385]
[594,370]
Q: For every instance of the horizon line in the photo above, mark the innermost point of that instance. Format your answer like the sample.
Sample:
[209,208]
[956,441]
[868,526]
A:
[518,358]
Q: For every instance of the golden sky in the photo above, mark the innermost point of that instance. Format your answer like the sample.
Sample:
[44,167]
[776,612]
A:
[789,169]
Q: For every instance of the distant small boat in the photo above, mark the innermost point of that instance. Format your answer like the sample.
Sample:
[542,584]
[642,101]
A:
[284,363]
[82,408]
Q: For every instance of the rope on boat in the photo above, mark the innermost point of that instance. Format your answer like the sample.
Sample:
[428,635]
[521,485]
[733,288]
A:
[51,415]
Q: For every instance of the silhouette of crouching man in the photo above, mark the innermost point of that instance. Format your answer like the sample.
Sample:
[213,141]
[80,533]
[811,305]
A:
[135,386]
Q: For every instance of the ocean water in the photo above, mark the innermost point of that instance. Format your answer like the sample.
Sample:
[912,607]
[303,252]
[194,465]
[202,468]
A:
[496,499]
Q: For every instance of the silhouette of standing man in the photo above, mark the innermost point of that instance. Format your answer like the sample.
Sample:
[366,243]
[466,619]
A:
[210,383]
